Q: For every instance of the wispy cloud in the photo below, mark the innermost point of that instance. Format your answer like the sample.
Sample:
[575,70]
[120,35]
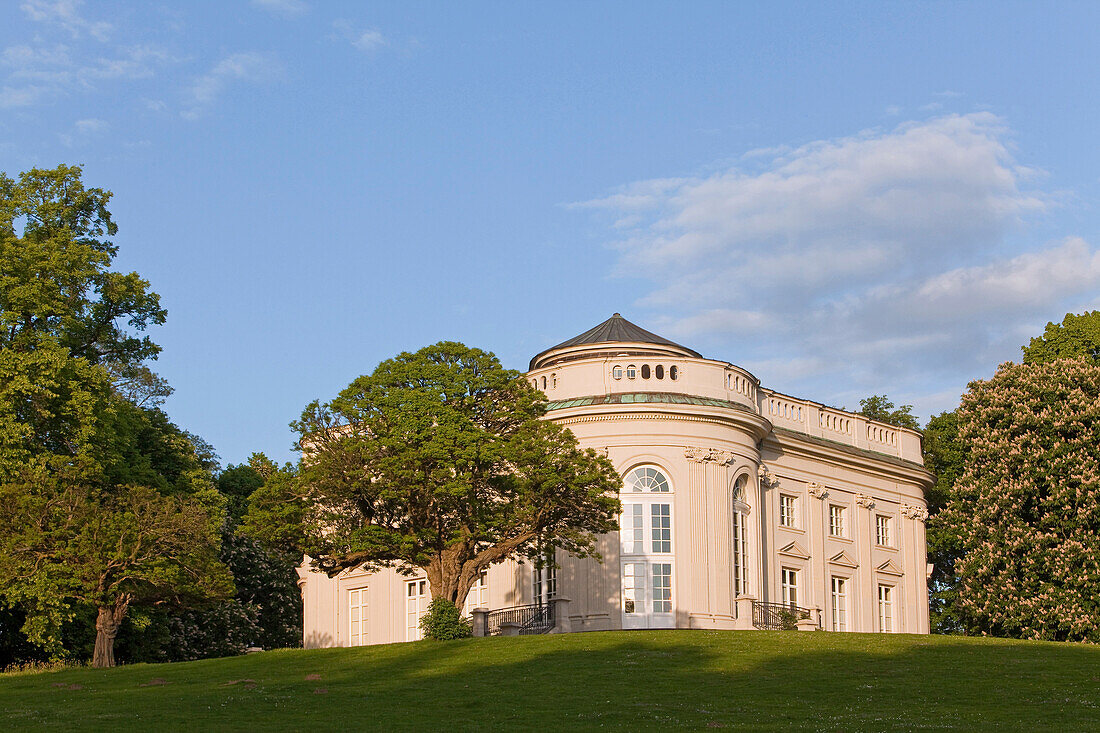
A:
[83,130]
[875,258]
[66,14]
[287,8]
[24,96]
[246,67]
[38,72]
[364,39]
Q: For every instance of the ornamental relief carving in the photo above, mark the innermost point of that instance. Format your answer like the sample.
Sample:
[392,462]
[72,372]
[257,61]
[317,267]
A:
[865,501]
[767,478]
[709,455]
[817,490]
[910,511]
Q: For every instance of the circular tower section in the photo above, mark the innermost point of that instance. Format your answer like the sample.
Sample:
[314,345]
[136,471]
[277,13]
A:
[684,433]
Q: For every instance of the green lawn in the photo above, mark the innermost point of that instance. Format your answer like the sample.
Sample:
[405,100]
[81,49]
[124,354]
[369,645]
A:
[641,680]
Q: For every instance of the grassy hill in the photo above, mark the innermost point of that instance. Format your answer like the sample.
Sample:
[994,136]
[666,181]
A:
[642,680]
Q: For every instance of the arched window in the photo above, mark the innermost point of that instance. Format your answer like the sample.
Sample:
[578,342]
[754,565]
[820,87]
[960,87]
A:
[544,382]
[617,372]
[646,479]
[659,371]
[631,371]
[554,381]
[673,373]
[645,371]
[739,537]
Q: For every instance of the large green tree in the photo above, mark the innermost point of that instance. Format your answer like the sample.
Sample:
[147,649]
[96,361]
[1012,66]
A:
[103,503]
[946,454]
[1077,335]
[881,408]
[1025,512]
[440,460]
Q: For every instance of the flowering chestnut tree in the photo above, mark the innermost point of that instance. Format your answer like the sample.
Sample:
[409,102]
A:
[1026,508]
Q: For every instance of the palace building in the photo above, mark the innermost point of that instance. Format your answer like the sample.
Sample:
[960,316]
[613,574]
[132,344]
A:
[742,508]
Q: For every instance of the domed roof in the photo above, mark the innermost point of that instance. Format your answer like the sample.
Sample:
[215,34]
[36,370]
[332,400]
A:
[616,329]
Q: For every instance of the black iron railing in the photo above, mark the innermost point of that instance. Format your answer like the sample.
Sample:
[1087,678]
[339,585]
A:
[778,615]
[533,619]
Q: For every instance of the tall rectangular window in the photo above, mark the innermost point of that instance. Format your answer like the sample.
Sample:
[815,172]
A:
[883,535]
[357,617]
[662,587]
[633,529]
[787,510]
[662,527]
[839,604]
[479,594]
[885,609]
[546,580]
[416,605]
[634,587]
[836,521]
[790,586]
[740,552]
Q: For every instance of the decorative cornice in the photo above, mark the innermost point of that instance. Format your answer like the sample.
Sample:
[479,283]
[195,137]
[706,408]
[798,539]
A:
[865,501]
[817,490]
[910,511]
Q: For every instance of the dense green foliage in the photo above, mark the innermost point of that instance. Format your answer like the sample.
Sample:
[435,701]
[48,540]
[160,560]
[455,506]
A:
[439,460]
[444,622]
[626,680]
[104,503]
[277,510]
[1075,336]
[264,612]
[944,456]
[1026,509]
[879,407]
[947,454]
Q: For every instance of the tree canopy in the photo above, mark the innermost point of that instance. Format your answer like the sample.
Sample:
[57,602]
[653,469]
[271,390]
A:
[1076,335]
[879,407]
[441,460]
[1025,512]
[947,454]
[103,502]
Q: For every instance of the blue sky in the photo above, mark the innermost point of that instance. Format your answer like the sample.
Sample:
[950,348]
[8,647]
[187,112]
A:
[853,199]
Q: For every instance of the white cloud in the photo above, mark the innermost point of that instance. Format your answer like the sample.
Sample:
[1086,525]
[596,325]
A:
[884,260]
[36,72]
[246,67]
[364,39]
[20,96]
[83,130]
[288,8]
[66,14]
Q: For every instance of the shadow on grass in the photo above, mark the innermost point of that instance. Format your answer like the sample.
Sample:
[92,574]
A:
[611,680]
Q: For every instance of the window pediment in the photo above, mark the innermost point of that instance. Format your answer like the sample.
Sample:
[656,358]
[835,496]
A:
[794,549]
[843,559]
[889,568]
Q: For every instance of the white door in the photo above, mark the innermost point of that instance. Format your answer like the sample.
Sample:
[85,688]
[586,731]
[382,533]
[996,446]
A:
[645,535]
[647,595]
[416,605]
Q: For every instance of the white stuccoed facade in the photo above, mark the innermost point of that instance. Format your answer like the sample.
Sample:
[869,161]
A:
[760,497]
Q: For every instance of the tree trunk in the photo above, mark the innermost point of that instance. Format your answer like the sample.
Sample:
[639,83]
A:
[106,629]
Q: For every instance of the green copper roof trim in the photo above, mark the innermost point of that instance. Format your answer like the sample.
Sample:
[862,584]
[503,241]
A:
[634,398]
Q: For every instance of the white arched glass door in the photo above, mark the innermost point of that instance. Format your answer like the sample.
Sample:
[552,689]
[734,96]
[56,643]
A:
[646,560]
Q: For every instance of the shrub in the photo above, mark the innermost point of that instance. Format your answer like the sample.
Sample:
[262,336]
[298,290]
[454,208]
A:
[444,622]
